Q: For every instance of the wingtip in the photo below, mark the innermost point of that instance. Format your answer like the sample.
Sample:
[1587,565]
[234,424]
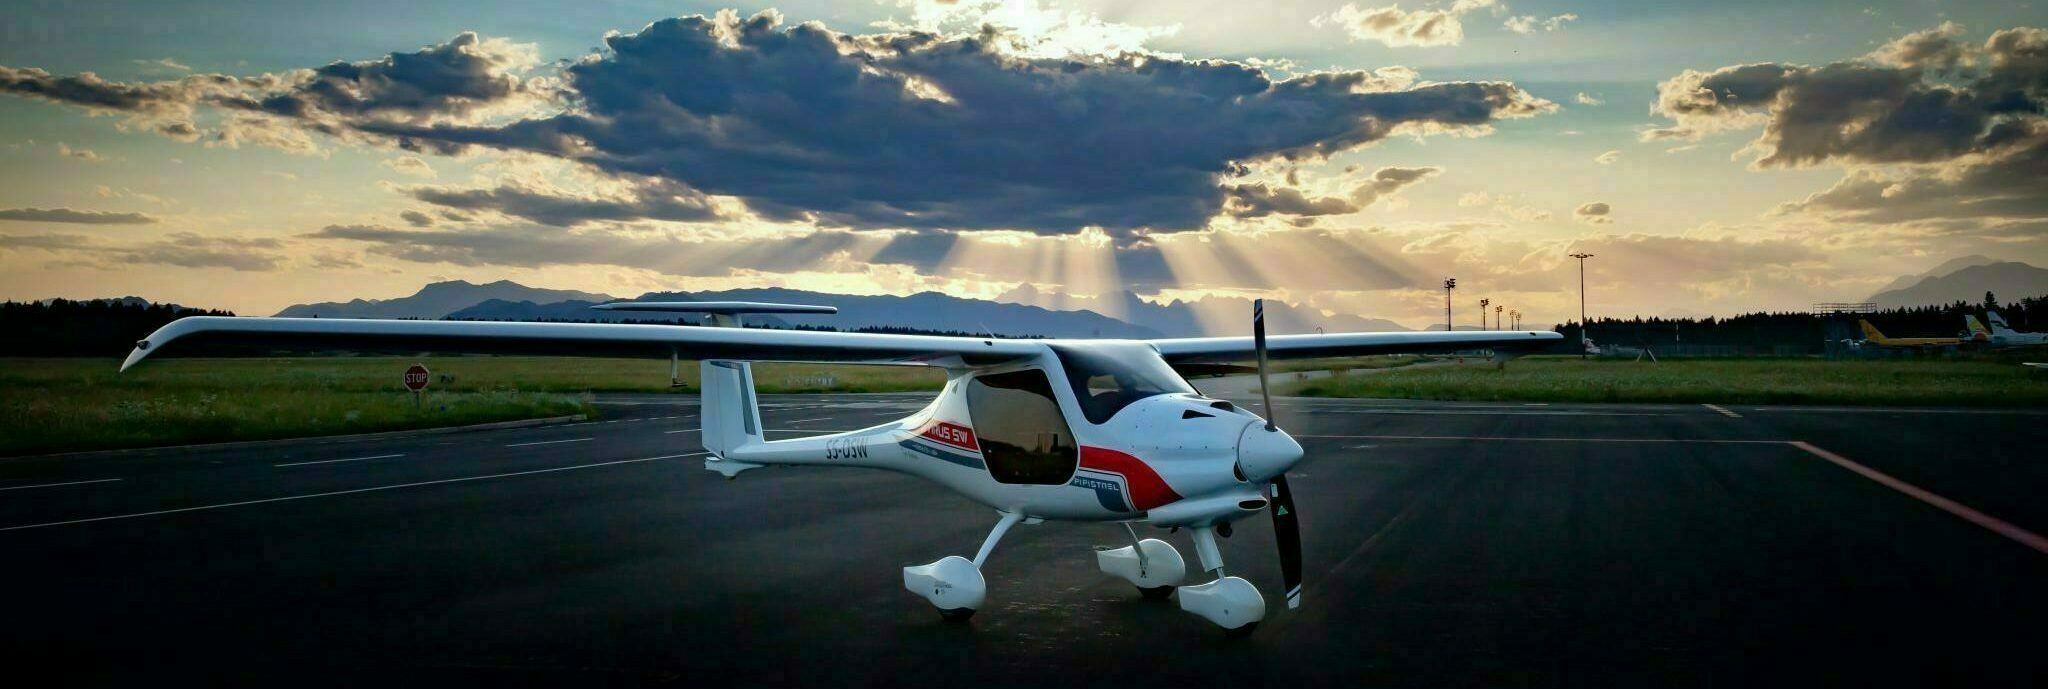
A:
[134,357]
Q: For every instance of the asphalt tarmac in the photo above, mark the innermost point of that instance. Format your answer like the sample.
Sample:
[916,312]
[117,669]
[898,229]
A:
[1446,544]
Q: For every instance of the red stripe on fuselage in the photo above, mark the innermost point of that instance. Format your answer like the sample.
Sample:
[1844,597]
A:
[949,433]
[1147,489]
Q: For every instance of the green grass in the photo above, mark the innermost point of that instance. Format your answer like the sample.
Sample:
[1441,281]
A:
[1965,383]
[1349,363]
[63,405]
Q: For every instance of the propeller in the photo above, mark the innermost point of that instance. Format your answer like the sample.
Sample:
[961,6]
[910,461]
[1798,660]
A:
[1286,524]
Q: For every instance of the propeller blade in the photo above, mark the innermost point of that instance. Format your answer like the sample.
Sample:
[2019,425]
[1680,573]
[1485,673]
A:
[1259,345]
[1286,524]
[1287,533]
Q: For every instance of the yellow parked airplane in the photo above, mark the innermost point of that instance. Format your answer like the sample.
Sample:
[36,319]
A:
[1872,336]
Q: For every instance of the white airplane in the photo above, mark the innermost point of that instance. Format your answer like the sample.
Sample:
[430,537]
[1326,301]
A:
[2002,335]
[1075,430]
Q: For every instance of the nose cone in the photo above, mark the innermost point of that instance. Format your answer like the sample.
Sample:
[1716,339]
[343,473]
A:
[1263,454]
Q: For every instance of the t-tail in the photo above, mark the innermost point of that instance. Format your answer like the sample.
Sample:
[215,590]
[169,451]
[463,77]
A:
[1998,326]
[730,416]
[1978,332]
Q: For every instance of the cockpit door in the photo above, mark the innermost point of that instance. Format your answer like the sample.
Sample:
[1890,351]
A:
[1023,436]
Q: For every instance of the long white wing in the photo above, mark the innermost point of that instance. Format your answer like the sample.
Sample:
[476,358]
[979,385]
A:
[577,339]
[1216,350]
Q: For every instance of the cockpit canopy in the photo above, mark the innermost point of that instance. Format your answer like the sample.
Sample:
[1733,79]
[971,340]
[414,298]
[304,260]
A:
[1108,376]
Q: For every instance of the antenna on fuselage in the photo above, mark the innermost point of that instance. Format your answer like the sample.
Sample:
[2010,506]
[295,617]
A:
[724,314]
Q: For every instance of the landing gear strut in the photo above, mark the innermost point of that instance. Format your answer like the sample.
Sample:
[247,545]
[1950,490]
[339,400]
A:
[1150,564]
[1230,602]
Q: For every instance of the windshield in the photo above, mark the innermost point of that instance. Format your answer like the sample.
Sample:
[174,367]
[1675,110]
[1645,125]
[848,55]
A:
[1108,377]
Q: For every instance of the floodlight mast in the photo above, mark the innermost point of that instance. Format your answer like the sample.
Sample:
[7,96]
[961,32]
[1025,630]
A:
[1449,284]
[1582,256]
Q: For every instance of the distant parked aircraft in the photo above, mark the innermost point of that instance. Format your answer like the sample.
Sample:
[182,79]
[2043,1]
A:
[2002,335]
[1872,336]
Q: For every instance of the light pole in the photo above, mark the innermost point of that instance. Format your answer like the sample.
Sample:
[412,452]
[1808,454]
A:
[1496,316]
[1449,284]
[1516,316]
[1582,256]
[1482,312]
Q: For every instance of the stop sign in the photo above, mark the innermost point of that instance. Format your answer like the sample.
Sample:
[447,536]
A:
[416,378]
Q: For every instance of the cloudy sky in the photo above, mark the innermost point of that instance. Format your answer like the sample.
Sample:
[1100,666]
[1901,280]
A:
[1716,157]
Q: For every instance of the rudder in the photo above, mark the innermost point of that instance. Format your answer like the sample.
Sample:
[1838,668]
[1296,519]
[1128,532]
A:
[729,414]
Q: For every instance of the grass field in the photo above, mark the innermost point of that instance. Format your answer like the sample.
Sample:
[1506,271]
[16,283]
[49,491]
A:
[1349,363]
[1715,381]
[61,405]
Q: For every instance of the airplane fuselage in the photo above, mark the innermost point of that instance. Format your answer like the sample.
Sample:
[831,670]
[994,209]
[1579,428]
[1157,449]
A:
[1018,439]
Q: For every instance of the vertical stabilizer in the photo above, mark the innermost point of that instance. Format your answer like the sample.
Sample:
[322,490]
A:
[1870,332]
[1977,330]
[731,418]
[1998,325]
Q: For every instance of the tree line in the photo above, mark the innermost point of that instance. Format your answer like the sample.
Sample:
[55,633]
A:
[1767,329]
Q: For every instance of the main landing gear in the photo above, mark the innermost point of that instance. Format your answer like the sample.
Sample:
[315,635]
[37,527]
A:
[1150,564]
[954,584]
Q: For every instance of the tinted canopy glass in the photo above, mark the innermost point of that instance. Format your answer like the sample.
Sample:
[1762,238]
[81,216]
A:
[1110,376]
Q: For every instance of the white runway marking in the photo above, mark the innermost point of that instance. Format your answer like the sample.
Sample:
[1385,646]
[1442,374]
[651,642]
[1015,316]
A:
[1559,440]
[1717,409]
[1457,412]
[822,418]
[686,430]
[1996,525]
[333,461]
[66,483]
[347,492]
[550,442]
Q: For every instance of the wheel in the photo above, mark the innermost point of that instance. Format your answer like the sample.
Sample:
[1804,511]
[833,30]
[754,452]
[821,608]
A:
[1241,632]
[956,614]
[1156,592]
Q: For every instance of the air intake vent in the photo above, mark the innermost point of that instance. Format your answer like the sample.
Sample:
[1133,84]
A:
[1192,414]
[1225,406]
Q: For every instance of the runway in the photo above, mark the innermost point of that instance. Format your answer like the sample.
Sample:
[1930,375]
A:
[1445,544]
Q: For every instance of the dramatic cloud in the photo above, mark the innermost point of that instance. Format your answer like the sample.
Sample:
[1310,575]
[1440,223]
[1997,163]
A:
[1261,199]
[1883,110]
[656,200]
[1595,213]
[1529,23]
[182,249]
[1401,28]
[803,124]
[1608,158]
[933,132]
[1934,131]
[66,215]
[449,80]
[2005,182]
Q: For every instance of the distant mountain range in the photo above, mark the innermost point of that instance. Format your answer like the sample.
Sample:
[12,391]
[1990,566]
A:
[1965,279]
[1206,316]
[437,300]
[1012,314]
